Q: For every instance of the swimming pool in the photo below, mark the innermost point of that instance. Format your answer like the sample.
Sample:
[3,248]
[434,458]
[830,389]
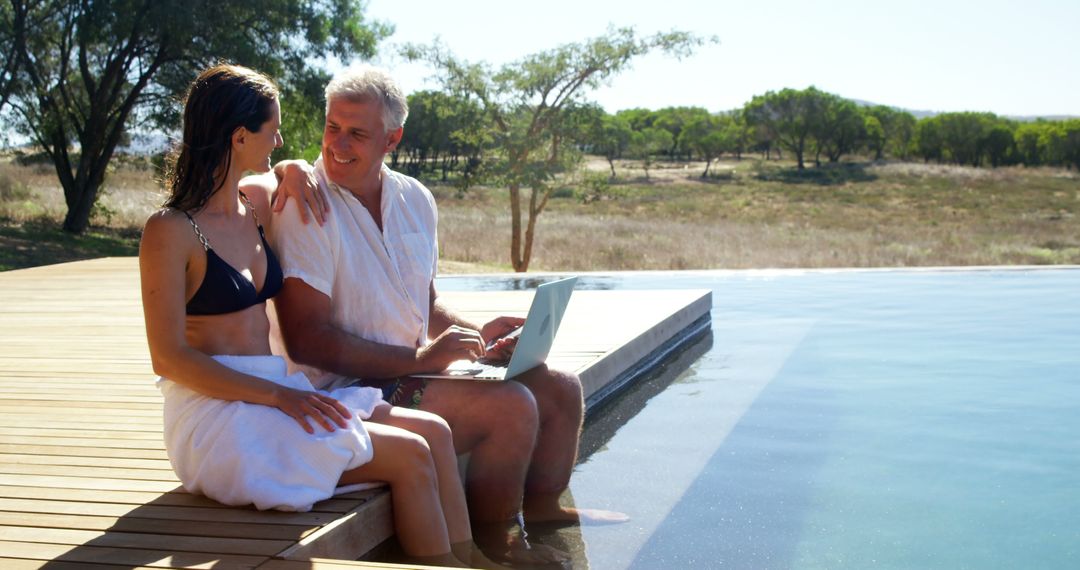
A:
[855,419]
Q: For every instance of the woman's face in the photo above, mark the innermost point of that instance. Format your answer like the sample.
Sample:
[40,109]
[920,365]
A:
[258,146]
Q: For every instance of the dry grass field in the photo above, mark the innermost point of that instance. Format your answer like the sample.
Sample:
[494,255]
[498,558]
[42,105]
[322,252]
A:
[748,214]
[757,215]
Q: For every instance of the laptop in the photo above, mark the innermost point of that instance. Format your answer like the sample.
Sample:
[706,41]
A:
[534,343]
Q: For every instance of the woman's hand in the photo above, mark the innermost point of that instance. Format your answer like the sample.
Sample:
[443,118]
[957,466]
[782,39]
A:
[296,179]
[300,404]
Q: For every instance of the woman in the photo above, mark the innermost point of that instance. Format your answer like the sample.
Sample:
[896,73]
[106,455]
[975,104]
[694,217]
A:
[238,428]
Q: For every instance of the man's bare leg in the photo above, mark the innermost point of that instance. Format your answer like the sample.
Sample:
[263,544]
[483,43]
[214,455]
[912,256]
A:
[496,423]
[562,410]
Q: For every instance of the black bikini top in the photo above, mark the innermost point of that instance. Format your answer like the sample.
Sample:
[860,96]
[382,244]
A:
[224,289]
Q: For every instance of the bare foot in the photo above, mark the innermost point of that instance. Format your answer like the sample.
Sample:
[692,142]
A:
[504,547]
[571,516]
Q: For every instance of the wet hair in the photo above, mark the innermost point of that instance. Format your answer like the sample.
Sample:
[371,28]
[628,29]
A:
[221,100]
[368,83]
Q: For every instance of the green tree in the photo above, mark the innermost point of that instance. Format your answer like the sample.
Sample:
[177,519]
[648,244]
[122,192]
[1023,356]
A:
[674,120]
[610,138]
[963,136]
[740,134]
[709,137]
[1063,143]
[528,101]
[1031,140]
[902,135]
[647,143]
[875,136]
[999,144]
[86,70]
[929,140]
[839,129]
[881,123]
[789,117]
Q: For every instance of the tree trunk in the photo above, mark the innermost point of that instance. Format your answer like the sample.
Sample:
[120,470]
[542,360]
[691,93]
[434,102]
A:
[611,163]
[708,162]
[516,260]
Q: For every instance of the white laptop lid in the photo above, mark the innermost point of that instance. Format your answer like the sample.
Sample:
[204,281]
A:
[542,323]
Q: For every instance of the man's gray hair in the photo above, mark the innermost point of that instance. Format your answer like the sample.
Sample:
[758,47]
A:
[369,83]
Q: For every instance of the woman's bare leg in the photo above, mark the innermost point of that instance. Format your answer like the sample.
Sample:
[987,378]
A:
[403,460]
[437,433]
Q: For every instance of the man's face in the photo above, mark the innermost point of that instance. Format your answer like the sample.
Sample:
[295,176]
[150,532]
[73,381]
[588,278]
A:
[355,142]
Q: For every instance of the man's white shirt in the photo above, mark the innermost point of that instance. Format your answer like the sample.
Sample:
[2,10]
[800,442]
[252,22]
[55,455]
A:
[378,282]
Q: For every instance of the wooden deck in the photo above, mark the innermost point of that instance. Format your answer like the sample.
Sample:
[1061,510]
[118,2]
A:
[84,479]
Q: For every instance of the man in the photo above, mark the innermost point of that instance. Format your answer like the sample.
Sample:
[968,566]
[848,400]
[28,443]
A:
[359,304]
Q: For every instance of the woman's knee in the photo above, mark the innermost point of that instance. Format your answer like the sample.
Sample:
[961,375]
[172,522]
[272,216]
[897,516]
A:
[434,429]
[408,456]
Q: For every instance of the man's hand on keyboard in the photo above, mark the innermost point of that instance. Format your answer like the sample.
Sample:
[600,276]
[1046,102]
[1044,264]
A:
[500,350]
[455,343]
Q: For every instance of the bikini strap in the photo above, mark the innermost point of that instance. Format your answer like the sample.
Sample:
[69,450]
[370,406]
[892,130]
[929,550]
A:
[202,239]
[251,207]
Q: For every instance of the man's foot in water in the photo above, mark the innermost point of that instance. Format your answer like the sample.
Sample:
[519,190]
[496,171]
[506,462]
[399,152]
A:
[548,510]
[499,544]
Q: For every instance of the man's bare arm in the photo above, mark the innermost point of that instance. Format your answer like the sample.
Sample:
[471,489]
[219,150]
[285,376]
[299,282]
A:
[311,338]
[442,318]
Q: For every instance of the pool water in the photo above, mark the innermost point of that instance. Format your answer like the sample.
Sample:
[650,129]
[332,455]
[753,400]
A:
[857,419]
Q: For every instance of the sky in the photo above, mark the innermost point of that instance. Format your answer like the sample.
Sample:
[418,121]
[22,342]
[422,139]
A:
[1019,58]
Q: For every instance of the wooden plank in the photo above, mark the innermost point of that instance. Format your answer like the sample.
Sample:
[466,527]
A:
[127,463]
[76,482]
[130,557]
[75,431]
[329,564]
[85,451]
[131,524]
[85,471]
[172,543]
[217,512]
[350,536]
[24,564]
[176,498]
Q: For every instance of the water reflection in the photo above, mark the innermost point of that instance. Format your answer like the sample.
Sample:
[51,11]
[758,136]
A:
[524,283]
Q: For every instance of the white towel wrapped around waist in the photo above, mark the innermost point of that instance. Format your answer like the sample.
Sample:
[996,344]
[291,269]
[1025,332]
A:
[239,453]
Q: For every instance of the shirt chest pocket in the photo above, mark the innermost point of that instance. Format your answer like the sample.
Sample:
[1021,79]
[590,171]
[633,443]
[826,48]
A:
[414,255]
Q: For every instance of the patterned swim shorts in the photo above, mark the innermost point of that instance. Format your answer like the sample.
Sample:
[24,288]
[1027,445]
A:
[405,392]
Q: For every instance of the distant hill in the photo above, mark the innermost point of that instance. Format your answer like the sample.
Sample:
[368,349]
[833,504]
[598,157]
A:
[922,114]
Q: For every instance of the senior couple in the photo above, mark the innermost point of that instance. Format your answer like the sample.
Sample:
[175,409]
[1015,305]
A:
[357,313]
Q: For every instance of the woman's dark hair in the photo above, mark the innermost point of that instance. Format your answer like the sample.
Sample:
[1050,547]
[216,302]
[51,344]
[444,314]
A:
[222,99]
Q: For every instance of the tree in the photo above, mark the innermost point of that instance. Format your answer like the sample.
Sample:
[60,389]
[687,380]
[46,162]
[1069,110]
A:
[839,128]
[647,143]
[963,135]
[674,120]
[610,138]
[87,70]
[739,133]
[1031,141]
[788,116]
[929,143]
[999,144]
[709,137]
[528,101]
[902,137]
[1063,143]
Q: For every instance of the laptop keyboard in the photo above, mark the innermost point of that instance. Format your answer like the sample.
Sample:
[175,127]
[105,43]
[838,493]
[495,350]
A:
[466,368]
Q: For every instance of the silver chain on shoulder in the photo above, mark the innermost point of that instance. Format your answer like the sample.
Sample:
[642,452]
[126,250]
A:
[198,232]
